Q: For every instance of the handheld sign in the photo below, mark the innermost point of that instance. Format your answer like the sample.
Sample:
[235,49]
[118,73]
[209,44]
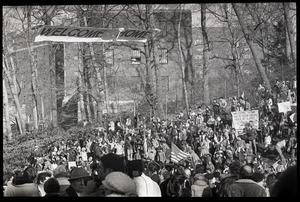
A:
[240,118]
[90,34]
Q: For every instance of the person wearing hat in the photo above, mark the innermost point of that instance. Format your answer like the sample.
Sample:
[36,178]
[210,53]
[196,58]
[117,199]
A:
[78,179]
[245,186]
[119,184]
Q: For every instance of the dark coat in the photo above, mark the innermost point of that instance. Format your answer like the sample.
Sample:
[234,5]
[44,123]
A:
[245,188]
[224,184]
[163,188]
[69,192]
[52,195]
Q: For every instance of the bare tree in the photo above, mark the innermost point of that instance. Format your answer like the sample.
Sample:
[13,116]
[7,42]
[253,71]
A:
[12,84]
[290,32]
[183,65]
[248,34]
[9,72]
[6,125]
[206,52]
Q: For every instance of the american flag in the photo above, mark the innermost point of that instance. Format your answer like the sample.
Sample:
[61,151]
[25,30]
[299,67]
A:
[177,154]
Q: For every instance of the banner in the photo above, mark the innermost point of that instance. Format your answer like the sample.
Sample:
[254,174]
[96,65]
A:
[134,35]
[90,34]
[240,118]
[284,107]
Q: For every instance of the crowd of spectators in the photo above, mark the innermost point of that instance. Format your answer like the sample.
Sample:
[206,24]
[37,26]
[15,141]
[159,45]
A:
[134,158]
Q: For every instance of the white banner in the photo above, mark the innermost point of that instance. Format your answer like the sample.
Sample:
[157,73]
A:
[240,118]
[90,34]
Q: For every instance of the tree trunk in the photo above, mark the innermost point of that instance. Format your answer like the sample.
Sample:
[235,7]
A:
[205,55]
[32,64]
[148,79]
[249,41]
[238,84]
[290,32]
[80,84]
[105,81]
[88,106]
[287,44]
[53,115]
[42,110]
[49,11]
[98,77]
[21,123]
[184,80]
[6,127]
[159,98]
[159,108]
[34,94]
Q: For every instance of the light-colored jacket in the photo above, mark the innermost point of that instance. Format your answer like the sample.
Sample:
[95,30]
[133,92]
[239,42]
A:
[145,186]
[198,189]
[22,190]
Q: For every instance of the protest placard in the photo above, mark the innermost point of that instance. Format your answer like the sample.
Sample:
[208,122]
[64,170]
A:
[284,107]
[240,118]
[71,164]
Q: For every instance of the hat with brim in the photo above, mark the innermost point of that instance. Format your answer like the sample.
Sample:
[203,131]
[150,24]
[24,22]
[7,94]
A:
[78,173]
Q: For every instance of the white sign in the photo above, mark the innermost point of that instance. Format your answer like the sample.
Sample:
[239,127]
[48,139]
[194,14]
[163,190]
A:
[240,118]
[284,107]
[71,164]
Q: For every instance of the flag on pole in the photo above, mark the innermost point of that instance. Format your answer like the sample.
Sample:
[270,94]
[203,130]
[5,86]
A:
[177,154]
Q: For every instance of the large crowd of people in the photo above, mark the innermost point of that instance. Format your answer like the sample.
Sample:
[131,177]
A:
[133,157]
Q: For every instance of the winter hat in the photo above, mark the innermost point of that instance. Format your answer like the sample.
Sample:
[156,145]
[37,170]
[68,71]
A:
[217,174]
[258,177]
[78,173]
[119,182]
[209,176]
[51,186]
[200,168]
[234,167]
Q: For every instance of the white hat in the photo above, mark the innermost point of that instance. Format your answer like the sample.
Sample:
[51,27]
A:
[119,182]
